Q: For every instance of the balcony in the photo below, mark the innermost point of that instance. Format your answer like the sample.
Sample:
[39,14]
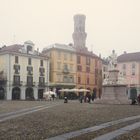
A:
[41,84]
[3,78]
[41,74]
[17,83]
[30,84]
[66,71]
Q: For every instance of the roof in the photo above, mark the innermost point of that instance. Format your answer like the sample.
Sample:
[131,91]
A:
[84,51]
[13,48]
[29,42]
[19,49]
[126,57]
[59,46]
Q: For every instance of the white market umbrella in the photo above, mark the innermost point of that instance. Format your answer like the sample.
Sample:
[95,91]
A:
[84,90]
[49,93]
[74,90]
[64,90]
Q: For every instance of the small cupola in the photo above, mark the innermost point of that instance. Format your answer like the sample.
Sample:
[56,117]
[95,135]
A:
[29,46]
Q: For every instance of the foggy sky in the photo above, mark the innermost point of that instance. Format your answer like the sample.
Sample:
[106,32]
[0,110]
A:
[110,24]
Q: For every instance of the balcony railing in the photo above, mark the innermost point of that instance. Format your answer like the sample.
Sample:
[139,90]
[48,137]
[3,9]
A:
[41,84]
[17,83]
[66,71]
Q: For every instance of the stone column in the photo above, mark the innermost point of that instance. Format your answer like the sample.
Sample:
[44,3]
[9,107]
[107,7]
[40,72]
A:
[23,89]
[9,93]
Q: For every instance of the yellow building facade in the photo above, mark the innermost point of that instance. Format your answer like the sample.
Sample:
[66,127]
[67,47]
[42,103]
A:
[62,66]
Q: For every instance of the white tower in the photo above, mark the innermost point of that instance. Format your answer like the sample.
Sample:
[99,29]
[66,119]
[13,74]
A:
[79,35]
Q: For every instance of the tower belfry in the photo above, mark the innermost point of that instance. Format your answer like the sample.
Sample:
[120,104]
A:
[79,34]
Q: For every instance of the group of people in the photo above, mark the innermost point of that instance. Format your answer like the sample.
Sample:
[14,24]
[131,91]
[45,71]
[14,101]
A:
[88,97]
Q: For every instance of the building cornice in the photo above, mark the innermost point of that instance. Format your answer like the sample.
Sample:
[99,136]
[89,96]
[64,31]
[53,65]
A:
[24,54]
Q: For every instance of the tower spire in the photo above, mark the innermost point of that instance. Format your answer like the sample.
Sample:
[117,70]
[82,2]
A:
[79,34]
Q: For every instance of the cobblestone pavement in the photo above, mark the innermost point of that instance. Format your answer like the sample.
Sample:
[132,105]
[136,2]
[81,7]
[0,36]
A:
[62,119]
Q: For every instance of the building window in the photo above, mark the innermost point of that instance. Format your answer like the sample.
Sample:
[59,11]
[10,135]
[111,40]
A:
[16,59]
[71,67]
[29,80]
[87,80]
[65,56]
[16,79]
[30,70]
[65,79]
[16,68]
[124,73]
[71,79]
[124,66]
[29,49]
[79,68]
[59,78]
[58,65]
[133,66]
[96,72]
[71,56]
[29,61]
[41,62]
[78,59]
[65,67]
[87,69]
[59,55]
[133,71]
[95,81]
[104,76]
[104,69]
[41,81]
[79,80]
[41,70]
[87,61]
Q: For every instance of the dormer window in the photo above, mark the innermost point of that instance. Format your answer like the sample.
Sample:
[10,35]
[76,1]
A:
[29,48]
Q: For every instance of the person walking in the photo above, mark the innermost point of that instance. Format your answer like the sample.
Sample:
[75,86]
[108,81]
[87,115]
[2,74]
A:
[138,99]
[81,98]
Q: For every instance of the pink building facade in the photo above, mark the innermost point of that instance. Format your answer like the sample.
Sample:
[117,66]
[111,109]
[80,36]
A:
[129,67]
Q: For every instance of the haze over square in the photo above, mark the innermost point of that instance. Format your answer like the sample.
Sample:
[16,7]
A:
[109,24]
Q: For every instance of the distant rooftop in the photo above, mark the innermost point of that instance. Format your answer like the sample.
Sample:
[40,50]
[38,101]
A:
[13,48]
[59,46]
[126,57]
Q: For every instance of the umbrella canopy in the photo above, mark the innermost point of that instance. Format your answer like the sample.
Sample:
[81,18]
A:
[74,90]
[49,93]
[65,90]
[84,90]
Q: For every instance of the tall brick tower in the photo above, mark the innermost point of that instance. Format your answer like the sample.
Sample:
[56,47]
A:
[79,34]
